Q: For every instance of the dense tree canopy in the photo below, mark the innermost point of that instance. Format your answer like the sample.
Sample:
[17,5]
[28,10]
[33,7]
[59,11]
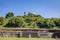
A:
[29,20]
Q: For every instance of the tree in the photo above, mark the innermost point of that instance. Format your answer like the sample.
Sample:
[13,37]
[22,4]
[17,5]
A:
[29,20]
[15,22]
[59,22]
[1,20]
[56,21]
[9,14]
[24,13]
[33,15]
[39,22]
[49,23]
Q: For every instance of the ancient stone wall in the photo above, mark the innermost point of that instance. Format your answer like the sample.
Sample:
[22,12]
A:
[27,33]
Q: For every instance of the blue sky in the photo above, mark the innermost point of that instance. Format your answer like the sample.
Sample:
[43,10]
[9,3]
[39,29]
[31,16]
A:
[46,8]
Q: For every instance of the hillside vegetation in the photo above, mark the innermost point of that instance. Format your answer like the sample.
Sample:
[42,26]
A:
[28,20]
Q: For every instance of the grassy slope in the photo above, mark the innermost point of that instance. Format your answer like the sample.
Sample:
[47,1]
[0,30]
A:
[26,39]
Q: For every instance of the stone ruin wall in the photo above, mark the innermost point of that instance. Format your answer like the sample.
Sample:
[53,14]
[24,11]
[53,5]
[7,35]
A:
[28,34]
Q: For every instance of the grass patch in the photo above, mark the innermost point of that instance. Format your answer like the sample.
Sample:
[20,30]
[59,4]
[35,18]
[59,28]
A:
[26,39]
